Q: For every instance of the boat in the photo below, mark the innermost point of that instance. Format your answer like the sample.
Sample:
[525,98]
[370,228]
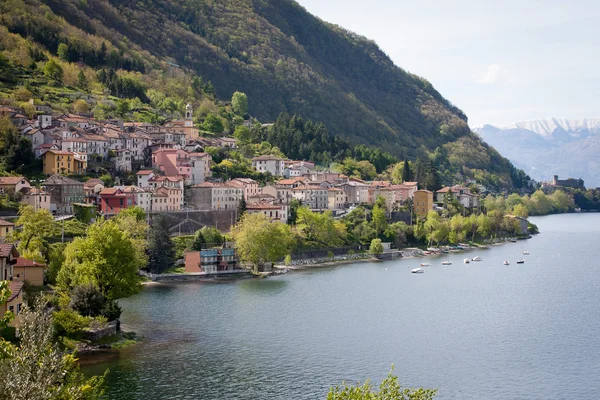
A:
[506,263]
[477,258]
[521,262]
[425,265]
[466,261]
[526,253]
[446,263]
[513,240]
[418,271]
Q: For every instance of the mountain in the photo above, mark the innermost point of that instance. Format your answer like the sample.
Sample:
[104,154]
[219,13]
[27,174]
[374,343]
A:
[281,56]
[542,148]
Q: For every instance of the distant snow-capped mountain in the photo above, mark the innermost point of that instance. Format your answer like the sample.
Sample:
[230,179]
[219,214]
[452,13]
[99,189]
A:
[554,146]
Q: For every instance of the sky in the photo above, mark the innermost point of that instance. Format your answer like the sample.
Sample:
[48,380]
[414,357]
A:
[499,61]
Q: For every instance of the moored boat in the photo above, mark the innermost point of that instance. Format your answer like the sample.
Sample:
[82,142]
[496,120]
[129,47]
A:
[477,258]
[466,261]
[521,262]
[526,253]
[425,265]
[418,271]
[446,263]
[506,263]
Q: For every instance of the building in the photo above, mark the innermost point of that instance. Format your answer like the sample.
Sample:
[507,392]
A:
[142,197]
[144,177]
[250,186]
[64,162]
[8,256]
[174,196]
[91,190]
[357,192]
[29,270]
[6,228]
[113,200]
[336,198]
[460,193]
[200,167]
[12,184]
[194,167]
[36,197]
[210,260]
[273,211]
[63,193]
[216,196]
[570,183]
[297,168]
[271,164]
[423,202]
[313,197]
[283,194]
[159,201]
[123,160]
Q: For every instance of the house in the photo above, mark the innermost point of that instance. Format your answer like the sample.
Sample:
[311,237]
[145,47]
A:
[570,183]
[8,256]
[200,167]
[97,145]
[174,197]
[63,193]
[216,196]
[292,183]
[91,190]
[69,120]
[226,142]
[113,200]
[314,197]
[406,191]
[12,184]
[36,197]
[159,201]
[64,162]
[250,186]
[172,162]
[210,260]
[271,164]
[169,182]
[282,193]
[36,137]
[273,211]
[185,126]
[144,177]
[6,228]
[460,193]
[336,198]
[73,144]
[142,197]
[139,142]
[357,191]
[29,270]
[40,150]
[423,202]
[123,160]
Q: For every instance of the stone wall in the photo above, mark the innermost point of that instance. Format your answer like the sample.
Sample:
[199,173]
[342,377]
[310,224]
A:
[97,334]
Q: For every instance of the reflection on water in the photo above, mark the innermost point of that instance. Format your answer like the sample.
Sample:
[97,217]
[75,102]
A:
[481,330]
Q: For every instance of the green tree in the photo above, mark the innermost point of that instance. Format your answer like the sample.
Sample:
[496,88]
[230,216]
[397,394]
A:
[161,250]
[82,81]
[36,227]
[87,300]
[56,258]
[122,108]
[320,228]
[243,134]
[198,241]
[407,174]
[389,389]
[212,235]
[106,258]
[239,103]
[39,369]
[520,211]
[241,210]
[15,150]
[376,247]
[63,51]
[258,240]
[53,70]
[81,106]
[213,124]
[295,204]
[108,180]
[379,219]
[132,221]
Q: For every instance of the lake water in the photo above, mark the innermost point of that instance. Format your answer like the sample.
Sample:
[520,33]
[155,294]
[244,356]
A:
[476,331]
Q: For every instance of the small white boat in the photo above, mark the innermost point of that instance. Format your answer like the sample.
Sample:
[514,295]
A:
[521,261]
[425,265]
[466,261]
[526,253]
[418,271]
[446,263]
[476,258]
[506,263]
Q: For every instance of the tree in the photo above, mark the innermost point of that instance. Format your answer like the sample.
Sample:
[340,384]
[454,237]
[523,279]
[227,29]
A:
[293,215]
[132,221]
[81,106]
[241,208]
[243,134]
[376,247]
[122,108]
[38,368]
[212,235]
[379,219]
[389,389]
[320,228]
[239,103]
[15,150]
[82,80]
[213,124]
[106,258]
[161,250]
[407,174]
[53,70]
[198,241]
[520,211]
[87,300]
[107,179]
[63,52]
[36,226]
[258,240]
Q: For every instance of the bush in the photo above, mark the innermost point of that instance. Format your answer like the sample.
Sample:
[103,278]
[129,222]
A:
[87,300]
[376,247]
[330,254]
[112,310]
[70,324]
[288,260]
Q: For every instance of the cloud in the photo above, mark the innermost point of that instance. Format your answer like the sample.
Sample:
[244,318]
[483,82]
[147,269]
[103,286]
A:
[494,73]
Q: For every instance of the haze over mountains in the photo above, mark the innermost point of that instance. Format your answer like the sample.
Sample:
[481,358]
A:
[554,146]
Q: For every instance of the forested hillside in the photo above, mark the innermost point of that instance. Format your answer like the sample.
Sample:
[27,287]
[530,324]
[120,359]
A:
[161,54]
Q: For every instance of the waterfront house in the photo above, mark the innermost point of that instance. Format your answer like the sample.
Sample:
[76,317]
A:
[423,202]
[210,260]
[6,228]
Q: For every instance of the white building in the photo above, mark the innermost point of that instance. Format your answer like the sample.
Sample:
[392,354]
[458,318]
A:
[314,197]
[216,196]
[274,165]
[123,160]
[199,167]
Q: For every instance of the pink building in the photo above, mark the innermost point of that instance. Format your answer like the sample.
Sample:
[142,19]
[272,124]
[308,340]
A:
[172,162]
[250,186]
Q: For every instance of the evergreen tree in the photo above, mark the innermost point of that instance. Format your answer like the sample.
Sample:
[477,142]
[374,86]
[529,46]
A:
[241,208]
[407,175]
[82,81]
[198,241]
[420,174]
[433,182]
[161,250]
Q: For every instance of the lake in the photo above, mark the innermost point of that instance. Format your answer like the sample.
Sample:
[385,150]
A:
[476,331]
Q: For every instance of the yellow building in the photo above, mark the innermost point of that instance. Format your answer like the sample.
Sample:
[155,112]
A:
[28,270]
[423,202]
[6,228]
[64,162]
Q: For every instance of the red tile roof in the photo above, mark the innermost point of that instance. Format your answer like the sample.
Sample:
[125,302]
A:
[145,172]
[6,249]
[5,223]
[15,290]
[24,262]
[10,180]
